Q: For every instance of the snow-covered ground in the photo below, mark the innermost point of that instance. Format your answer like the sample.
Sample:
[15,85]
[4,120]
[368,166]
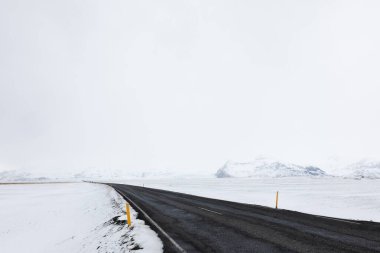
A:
[328,196]
[69,217]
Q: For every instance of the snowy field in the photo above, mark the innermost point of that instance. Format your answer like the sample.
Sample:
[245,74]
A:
[334,197]
[69,217]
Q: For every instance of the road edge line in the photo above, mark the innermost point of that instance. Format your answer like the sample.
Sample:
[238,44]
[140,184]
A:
[176,245]
[208,210]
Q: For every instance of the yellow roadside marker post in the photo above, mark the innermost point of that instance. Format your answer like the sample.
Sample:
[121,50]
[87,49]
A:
[276,199]
[128,212]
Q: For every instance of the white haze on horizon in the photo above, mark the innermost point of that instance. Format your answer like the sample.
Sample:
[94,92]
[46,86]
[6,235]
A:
[186,85]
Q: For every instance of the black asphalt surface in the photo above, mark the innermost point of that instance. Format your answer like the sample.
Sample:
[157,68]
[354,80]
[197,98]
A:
[200,224]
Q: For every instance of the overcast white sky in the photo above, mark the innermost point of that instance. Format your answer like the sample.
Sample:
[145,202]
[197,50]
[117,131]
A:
[186,84]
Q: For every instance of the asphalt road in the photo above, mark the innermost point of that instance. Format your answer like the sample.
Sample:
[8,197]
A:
[198,224]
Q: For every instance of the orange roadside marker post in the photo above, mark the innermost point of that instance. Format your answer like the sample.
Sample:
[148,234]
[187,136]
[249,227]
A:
[276,199]
[128,212]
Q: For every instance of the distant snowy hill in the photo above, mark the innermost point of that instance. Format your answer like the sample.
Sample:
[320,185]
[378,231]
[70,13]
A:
[258,168]
[363,169]
[97,174]
[93,174]
[264,168]
[19,176]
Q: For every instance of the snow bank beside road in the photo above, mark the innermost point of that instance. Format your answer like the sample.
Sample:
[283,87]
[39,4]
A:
[69,217]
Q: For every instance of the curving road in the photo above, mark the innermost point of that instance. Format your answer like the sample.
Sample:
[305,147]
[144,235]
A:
[188,223]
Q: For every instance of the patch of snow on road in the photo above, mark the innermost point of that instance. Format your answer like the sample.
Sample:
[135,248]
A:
[70,217]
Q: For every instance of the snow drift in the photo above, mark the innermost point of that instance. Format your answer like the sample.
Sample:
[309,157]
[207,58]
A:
[70,217]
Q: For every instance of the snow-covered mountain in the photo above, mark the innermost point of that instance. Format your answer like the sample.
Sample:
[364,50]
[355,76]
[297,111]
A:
[99,174]
[263,167]
[350,168]
[94,174]
[363,169]
[19,176]
[258,168]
